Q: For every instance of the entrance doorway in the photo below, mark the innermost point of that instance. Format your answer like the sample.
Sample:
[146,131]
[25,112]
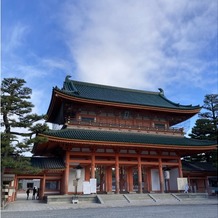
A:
[23,185]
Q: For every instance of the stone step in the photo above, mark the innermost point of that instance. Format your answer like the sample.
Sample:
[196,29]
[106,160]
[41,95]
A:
[112,197]
[127,198]
[163,196]
[138,196]
[68,198]
[192,195]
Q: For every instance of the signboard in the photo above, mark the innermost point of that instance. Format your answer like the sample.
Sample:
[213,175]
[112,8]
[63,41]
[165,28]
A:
[182,182]
[86,188]
[93,185]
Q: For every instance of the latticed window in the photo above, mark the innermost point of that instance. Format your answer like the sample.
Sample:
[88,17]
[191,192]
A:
[52,185]
[87,119]
[159,125]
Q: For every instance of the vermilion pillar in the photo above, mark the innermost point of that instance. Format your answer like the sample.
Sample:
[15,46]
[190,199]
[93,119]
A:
[14,195]
[66,173]
[93,166]
[206,184]
[87,173]
[102,178]
[161,176]
[148,172]
[42,187]
[108,179]
[130,179]
[117,174]
[180,168]
[139,175]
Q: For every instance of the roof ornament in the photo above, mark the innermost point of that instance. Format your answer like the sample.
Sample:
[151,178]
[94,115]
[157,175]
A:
[69,86]
[161,91]
[67,78]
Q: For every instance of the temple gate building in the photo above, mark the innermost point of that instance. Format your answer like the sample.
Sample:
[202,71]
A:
[121,137]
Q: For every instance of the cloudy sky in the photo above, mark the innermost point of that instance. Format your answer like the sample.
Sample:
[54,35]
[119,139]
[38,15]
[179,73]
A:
[140,44]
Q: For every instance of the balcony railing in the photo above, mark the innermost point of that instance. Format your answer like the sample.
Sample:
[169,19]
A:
[74,122]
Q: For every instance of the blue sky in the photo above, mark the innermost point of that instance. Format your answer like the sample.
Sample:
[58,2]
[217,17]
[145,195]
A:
[142,44]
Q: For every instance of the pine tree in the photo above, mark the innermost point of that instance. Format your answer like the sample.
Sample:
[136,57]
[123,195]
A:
[203,130]
[19,126]
[211,113]
[206,128]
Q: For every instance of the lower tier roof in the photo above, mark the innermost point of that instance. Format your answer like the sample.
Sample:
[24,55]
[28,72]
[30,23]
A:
[97,136]
[47,163]
[196,166]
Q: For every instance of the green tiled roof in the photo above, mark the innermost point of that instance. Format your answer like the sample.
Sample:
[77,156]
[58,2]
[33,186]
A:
[119,95]
[47,163]
[198,166]
[126,137]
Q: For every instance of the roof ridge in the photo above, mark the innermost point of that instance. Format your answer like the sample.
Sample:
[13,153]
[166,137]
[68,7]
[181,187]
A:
[109,93]
[159,93]
[115,87]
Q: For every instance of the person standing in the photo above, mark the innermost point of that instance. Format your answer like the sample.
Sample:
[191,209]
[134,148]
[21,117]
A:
[186,188]
[34,193]
[27,193]
[37,196]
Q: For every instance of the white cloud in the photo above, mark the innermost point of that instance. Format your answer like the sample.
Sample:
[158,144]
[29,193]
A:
[15,37]
[40,77]
[139,44]
[143,44]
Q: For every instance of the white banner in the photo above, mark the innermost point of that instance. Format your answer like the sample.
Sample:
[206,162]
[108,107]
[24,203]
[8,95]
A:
[182,182]
[93,184]
[86,188]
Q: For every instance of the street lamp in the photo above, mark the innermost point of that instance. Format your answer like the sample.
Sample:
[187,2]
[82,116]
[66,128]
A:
[78,172]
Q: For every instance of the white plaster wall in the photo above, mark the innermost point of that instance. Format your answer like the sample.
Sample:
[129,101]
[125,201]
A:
[174,174]
[36,182]
[72,176]
[155,180]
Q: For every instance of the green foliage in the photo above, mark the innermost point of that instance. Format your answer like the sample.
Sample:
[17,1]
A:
[203,130]
[20,126]
[206,128]
[211,113]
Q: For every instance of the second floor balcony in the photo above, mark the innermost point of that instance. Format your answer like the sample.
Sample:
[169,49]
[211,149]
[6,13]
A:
[92,124]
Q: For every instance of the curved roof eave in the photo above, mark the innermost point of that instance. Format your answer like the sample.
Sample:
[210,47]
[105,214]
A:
[138,145]
[90,137]
[186,109]
[52,102]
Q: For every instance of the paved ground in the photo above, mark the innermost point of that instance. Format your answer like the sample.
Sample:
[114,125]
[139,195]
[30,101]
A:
[162,211]
[21,204]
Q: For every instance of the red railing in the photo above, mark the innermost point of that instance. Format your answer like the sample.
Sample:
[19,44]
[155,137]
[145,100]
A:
[122,126]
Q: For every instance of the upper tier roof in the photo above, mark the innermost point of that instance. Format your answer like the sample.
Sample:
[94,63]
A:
[120,95]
